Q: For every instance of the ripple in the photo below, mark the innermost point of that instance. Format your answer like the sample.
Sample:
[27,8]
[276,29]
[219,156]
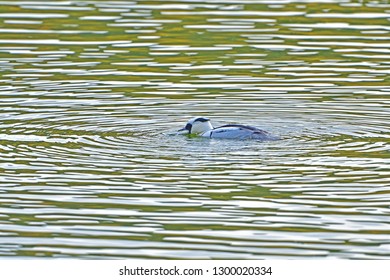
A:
[92,166]
[59,42]
[350,15]
[32,15]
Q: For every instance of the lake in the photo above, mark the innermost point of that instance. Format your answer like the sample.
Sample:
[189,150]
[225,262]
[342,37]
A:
[92,93]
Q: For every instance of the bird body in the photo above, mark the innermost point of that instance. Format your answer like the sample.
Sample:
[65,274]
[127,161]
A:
[202,127]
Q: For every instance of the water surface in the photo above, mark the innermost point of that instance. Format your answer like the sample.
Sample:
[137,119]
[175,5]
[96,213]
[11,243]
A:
[91,92]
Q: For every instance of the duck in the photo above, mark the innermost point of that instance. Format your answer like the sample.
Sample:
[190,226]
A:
[201,126]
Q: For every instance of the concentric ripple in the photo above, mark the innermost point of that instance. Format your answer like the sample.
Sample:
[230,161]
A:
[93,92]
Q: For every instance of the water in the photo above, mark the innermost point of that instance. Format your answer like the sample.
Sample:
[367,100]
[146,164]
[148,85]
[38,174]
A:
[91,92]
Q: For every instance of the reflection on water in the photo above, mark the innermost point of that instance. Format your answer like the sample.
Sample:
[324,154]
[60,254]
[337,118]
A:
[91,92]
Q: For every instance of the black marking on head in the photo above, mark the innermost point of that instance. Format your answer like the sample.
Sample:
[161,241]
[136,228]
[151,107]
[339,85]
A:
[188,127]
[201,120]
